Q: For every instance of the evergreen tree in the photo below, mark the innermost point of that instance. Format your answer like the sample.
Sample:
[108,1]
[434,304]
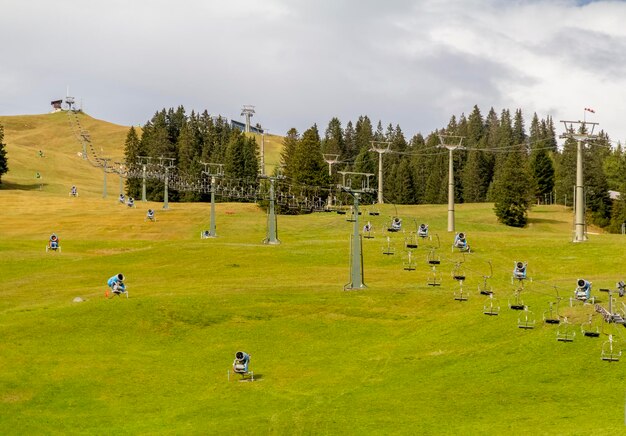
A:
[363,134]
[132,151]
[233,164]
[565,172]
[512,192]
[251,160]
[436,189]
[477,171]
[519,134]
[308,167]
[287,153]
[189,158]
[350,148]
[542,171]
[420,166]
[618,209]
[4,164]
[405,193]
[365,162]
[535,133]
[333,139]
[613,168]
[597,198]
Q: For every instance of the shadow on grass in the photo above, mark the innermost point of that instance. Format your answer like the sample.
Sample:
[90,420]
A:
[6,186]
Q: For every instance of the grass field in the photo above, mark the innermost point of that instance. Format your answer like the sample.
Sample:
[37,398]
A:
[399,357]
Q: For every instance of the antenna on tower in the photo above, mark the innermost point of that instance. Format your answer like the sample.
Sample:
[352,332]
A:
[69,100]
[248,112]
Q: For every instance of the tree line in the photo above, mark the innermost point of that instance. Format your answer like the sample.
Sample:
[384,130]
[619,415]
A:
[502,161]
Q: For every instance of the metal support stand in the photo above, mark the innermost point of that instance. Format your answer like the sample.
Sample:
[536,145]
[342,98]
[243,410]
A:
[356,248]
[143,184]
[165,193]
[272,237]
[581,136]
[451,143]
[380,150]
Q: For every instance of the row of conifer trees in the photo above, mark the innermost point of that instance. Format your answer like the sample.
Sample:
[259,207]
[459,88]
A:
[502,161]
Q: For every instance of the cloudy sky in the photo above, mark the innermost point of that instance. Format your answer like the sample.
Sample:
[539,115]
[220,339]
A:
[300,62]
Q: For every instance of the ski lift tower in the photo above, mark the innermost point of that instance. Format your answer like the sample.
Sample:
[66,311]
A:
[272,237]
[144,161]
[104,162]
[167,163]
[247,111]
[330,159]
[122,171]
[356,184]
[213,171]
[580,135]
[451,143]
[380,147]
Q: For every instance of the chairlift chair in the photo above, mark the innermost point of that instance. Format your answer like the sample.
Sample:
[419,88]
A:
[526,319]
[491,307]
[587,328]
[409,262]
[458,274]
[610,352]
[410,241]
[433,258]
[374,212]
[517,304]
[485,288]
[551,316]
[388,248]
[565,333]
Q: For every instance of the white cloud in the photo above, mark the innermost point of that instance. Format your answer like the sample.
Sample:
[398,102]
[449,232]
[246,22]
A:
[300,62]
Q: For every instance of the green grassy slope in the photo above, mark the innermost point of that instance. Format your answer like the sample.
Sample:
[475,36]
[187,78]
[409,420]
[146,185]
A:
[61,167]
[399,357]
[273,145]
